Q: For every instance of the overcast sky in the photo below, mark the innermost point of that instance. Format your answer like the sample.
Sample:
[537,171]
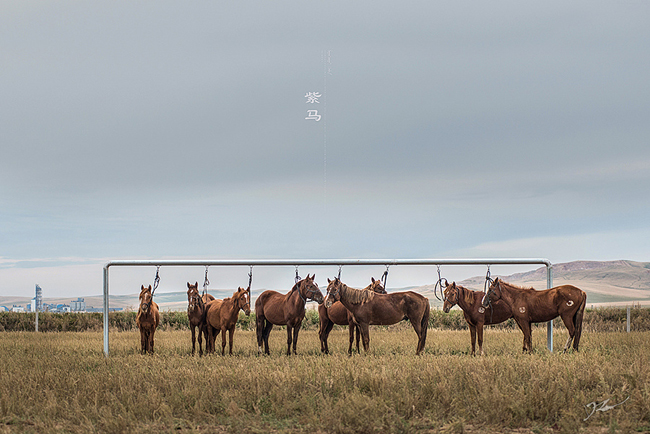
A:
[168,129]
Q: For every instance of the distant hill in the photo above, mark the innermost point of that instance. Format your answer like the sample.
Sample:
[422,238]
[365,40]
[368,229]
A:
[606,283]
[610,282]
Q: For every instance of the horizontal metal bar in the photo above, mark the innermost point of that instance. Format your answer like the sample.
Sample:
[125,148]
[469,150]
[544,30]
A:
[326,262]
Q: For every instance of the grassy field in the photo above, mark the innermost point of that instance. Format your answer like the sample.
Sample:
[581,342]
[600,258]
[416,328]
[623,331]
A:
[61,382]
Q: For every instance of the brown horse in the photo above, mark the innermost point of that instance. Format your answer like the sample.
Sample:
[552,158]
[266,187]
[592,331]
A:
[196,314]
[271,308]
[529,306]
[147,319]
[475,314]
[222,315]
[368,308]
[339,315]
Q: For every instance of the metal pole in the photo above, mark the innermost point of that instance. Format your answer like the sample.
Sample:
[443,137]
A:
[106,310]
[319,262]
[549,325]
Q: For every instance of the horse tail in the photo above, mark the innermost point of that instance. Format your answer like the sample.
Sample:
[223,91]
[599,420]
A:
[577,321]
[424,324]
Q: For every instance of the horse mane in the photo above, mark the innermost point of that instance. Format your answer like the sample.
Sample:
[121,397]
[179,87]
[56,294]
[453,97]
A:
[517,287]
[469,294]
[357,296]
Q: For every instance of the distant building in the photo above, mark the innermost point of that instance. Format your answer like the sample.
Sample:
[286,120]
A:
[78,305]
[17,309]
[38,299]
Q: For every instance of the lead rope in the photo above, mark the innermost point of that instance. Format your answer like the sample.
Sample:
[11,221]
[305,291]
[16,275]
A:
[486,288]
[440,284]
[298,278]
[206,282]
[384,278]
[156,280]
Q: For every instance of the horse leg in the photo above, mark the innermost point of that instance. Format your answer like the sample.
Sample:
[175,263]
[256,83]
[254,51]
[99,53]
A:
[351,328]
[295,337]
[153,330]
[365,336]
[479,332]
[322,333]
[193,338]
[208,346]
[223,342]
[568,322]
[326,333]
[259,331]
[200,327]
[231,333]
[143,342]
[524,326]
[472,333]
[356,328]
[289,340]
[266,333]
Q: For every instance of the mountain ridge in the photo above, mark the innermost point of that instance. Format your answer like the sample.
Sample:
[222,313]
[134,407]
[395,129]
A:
[606,283]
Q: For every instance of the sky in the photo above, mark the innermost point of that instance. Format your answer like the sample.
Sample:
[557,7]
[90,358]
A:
[175,130]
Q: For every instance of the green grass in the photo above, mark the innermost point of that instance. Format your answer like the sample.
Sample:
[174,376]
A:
[61,382]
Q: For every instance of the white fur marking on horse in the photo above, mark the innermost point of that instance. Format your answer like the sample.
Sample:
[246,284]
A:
[522,309]
[569,303]
[481,309]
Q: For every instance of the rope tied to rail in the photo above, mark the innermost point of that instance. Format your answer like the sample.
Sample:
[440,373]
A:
[156,280]
[339,277]
[486,288]
[384,277]
[206,282]
[298,278]
[440,285]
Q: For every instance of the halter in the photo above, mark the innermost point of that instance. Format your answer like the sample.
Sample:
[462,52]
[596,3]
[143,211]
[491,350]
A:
[338,288]
[309,294]
[200,299]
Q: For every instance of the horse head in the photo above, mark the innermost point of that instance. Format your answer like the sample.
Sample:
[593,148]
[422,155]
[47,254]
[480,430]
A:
[377,287]
[333,292]
[309,291]
[193,297]
[450,295]
[493,293]
[146,298]
[242,300]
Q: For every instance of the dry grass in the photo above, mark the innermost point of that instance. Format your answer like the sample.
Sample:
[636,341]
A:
[61,382]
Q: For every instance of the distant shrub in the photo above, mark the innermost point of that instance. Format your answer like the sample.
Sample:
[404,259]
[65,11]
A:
[604,319]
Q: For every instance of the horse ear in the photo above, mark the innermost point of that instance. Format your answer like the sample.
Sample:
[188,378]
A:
[372,279]
[188,285]
[196,284]
[328,280]
[142,288]
[149,288]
